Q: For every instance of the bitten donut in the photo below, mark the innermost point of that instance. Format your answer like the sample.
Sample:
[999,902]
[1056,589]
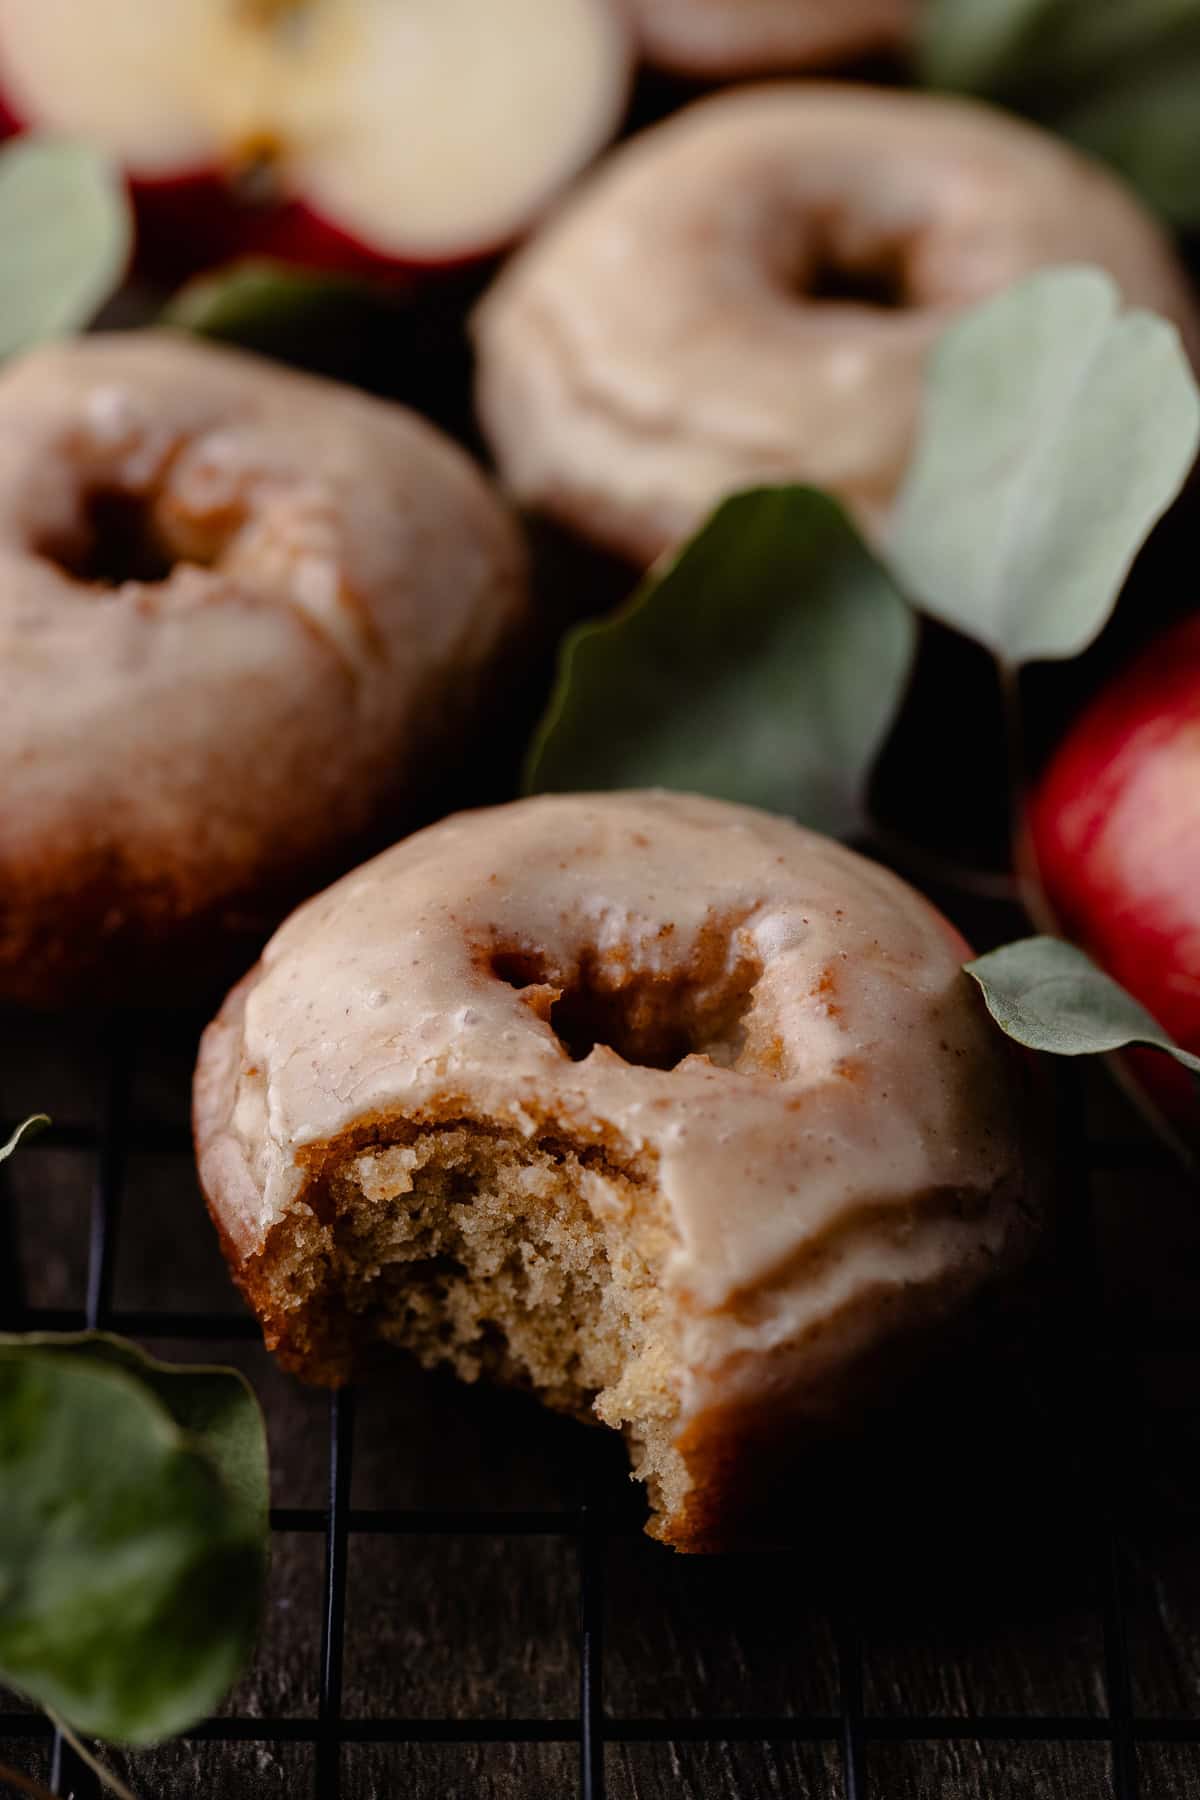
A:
[748,293]
[665,1109]
[240,610]
[721,39]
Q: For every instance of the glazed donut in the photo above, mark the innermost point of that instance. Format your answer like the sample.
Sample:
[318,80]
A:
[722,39]
[240,609]
[663,1108]
[682,330]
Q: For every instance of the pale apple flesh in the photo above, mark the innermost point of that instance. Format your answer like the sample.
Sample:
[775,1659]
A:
[1116,831]
[349,132]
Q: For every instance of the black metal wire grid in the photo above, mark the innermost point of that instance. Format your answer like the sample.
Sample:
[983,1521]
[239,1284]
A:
[849,1730]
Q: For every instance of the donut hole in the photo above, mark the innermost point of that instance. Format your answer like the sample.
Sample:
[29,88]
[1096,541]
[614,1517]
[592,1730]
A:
[649,1017]
[536,1262]
[831,283]
[831,266]
[116,538]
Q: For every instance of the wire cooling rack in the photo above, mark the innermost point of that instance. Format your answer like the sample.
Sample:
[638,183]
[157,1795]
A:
[998,1592]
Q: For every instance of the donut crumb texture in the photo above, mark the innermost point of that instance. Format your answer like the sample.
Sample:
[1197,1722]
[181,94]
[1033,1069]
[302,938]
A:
[535,1263]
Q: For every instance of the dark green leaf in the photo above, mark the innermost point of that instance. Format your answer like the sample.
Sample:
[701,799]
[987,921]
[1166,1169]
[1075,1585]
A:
[1117,76]
[275,307]
[1050,996]
[67,232]
[979,46]
[764,664]
[1147,123]
[1057,430]
[133,1515]
[27,1128]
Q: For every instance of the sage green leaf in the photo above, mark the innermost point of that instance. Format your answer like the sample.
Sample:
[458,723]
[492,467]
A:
[764,664]
[67,232]
[1050,996]
[1057,430]
[27,1128]
[133,1529]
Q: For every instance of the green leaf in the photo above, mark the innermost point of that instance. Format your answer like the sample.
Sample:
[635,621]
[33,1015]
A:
[1082,43]
[27,1128]
[1050,996]
[1117,76]
[1057,430]
[273,306]
[1147,124]
[67,232]
[764,664]
[133,1501]
[1053,49]
[979,46]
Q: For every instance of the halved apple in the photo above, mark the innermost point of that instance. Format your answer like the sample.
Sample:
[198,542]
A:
[360,134]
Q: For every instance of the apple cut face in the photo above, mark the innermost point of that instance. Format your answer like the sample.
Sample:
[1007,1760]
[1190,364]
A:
[344,132]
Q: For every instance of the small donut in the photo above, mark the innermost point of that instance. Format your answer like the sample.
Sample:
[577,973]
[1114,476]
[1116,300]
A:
[723,39]
[240,609]
[665,1109]
[748,293]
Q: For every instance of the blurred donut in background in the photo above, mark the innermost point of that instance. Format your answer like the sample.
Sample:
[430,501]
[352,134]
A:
[727,39]
[244,615]
[748,293]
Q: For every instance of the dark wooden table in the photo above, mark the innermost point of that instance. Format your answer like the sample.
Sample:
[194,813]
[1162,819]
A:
[994,1593]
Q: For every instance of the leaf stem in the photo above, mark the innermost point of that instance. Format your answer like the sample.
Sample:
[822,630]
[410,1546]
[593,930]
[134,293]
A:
[929,868]
[1151,1114]
[1028,887]
[103,1774]
[27,1128]
[24,1784]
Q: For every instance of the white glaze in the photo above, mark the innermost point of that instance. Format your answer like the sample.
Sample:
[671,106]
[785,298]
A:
[654,349]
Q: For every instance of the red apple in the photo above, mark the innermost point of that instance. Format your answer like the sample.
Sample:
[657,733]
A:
[1116,831]
[354,134]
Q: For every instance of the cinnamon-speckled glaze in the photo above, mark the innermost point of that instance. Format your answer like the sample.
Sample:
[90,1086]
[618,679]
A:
[307,586]
[842,1143]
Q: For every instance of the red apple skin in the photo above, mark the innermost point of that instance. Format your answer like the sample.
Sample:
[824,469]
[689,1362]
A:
[193,222]
[1115,826]
[197,220]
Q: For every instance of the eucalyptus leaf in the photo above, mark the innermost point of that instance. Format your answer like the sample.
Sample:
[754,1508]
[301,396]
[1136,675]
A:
[1020,50]
[27,1128]
[133,1531]
[1080,44]
[1147,124]
[278,308]
[979,46]
[67,231]
[1116,76]
[764,664]
[1050,996]
[1057,430]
